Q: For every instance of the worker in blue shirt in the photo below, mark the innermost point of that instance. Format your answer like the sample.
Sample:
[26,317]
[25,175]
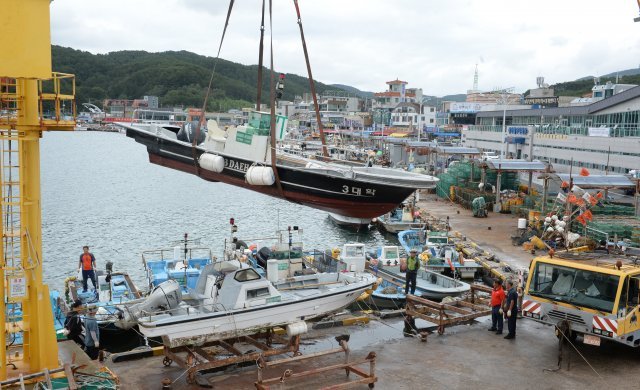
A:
[511,310]
[92,336]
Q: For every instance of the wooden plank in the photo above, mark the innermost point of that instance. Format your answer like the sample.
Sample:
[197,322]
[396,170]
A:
[69,373]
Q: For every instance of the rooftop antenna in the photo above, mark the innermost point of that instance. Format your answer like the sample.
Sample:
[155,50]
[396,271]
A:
[540,81]
[475,78]
[596,80]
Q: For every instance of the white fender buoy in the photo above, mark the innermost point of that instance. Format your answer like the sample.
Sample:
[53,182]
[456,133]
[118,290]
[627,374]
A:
[211,162]
[260,176]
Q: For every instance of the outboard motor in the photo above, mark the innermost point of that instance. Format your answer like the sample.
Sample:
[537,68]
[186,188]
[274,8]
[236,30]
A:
[166,296]
[188,132]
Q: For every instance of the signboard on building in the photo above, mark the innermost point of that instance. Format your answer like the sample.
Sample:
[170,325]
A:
[463,115]
[518,130]
[599,131]
[464,107]
[548,101]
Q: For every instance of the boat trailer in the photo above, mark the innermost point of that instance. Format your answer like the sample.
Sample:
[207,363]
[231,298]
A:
[444,314]
[217,355]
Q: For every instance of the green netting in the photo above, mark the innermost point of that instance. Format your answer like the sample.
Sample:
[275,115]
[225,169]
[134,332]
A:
[464,175]
[99,381]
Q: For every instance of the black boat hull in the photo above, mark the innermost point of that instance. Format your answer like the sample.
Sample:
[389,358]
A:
[340,195]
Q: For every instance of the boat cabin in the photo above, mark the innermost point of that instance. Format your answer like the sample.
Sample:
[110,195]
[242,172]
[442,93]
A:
[389,255]
[353,257]
[227,285]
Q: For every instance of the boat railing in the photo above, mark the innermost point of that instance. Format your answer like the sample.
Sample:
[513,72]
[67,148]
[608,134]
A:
[168,254]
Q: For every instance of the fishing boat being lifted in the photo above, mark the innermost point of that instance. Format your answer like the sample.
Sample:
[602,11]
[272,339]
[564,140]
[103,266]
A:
[247,156]
[240,156]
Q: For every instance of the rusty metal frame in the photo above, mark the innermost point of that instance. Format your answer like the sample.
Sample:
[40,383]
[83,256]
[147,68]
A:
[349,367]
[196,359]
[459,311]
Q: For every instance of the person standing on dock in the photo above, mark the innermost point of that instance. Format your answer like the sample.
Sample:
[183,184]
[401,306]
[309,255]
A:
[497,301]
[73,324]
[88,264]
[412,272]
[510,311]
[92,337]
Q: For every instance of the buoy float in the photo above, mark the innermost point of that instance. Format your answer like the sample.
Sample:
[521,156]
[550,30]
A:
[211,162]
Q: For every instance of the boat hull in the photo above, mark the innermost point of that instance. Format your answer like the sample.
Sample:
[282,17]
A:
[205,328]
[397,227]
[340,195]
[350,222]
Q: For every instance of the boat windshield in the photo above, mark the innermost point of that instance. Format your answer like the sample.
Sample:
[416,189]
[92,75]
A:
[438,239]
[577,287]
[354,251]
[246,275]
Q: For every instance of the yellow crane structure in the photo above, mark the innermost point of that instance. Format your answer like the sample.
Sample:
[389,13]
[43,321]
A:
[33,99]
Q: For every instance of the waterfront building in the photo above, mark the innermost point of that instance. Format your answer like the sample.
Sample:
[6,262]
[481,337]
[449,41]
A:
[384,103]
[603,136]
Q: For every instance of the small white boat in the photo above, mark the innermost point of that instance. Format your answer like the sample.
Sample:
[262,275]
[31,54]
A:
[402,218]
[231,299]
[429,284]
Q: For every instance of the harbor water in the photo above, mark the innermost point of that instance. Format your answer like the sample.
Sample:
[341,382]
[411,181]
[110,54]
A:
[99,189]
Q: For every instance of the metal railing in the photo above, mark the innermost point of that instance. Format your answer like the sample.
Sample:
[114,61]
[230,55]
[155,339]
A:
[616,130]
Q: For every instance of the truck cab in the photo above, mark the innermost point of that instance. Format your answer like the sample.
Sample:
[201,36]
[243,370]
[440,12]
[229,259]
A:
[596,293]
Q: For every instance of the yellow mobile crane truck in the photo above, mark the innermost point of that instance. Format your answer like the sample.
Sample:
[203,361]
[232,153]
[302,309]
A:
[588,296]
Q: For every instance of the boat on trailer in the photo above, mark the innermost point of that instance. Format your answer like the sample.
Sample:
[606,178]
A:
[232,299]
[240,156]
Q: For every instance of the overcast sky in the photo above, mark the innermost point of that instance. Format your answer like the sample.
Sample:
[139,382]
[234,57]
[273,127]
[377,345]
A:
[434,45]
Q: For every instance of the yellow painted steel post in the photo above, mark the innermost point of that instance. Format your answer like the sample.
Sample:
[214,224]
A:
[25,39]
[40,345]
[3,306]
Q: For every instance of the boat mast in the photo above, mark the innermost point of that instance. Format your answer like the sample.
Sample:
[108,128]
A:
[312,85]
[260,52]
[272,103]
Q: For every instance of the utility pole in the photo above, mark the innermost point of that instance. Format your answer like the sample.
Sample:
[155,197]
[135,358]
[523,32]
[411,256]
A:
[532,131]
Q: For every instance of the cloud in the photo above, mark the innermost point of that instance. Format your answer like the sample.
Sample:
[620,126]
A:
[432,44]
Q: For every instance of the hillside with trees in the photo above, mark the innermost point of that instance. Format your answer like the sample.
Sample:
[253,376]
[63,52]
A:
[582,86]
[176,77]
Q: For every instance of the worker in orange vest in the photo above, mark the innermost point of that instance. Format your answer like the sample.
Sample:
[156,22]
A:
[88,265]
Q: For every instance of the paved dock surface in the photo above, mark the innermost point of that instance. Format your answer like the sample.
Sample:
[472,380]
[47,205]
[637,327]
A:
[497,240]
[466,356]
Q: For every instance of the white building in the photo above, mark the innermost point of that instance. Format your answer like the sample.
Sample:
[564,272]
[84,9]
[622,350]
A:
[413,114]
[603,136]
